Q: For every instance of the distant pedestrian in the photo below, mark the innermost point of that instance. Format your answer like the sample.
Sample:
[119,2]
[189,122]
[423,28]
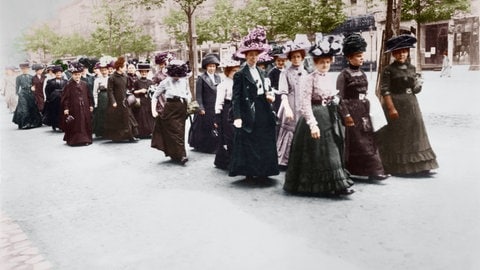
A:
[37,84]
[223,123]
[274,74]
[8,89]
[316,165]
[201,136]
[120,125]
[446,66]
[404,144]
[161,61]
[26,113]
[77,105]
[254,150]
[100,97]
[132,76]
[142,110]
[53,93]
[169,130]
[361,152]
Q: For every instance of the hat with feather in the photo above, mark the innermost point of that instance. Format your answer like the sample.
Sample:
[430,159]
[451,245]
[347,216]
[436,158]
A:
[256,40]
[76,67]
[178,68]
[326,46]
[164,58]
[354,43]
[299,44]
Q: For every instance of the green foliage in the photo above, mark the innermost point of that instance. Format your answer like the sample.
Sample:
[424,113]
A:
[424,11]
[41,39]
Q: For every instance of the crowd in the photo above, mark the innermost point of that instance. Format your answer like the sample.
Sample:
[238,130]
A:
[255,119]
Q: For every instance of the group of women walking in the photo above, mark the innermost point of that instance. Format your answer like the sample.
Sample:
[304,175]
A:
[315,127]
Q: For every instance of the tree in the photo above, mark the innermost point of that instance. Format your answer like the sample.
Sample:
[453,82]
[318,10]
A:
[41,40]
[424,11]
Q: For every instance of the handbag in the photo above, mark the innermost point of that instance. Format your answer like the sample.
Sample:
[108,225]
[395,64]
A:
[69,119]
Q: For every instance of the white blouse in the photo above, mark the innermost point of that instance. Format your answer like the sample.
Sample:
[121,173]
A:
[224,92]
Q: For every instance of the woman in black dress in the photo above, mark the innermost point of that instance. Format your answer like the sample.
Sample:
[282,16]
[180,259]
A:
[403,143]
[26,113]
[142,110]
[254,144]
[201,136]
[53,93]
[361,151]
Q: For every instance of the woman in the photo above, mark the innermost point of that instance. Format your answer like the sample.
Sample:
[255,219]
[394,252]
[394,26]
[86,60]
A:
[279,58]
[223,125]
[201,136]
[316,165]
[132,76]
[254,150]
[291,95]
[404,144]
[100,97]
[77,106]
[161,60]
[169,130]
[26,113]
[120,124]
[53,93]
[361,152]
[143,109]
[37,85]
[8,89]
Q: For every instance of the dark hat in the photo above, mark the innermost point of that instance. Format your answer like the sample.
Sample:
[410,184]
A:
[143,66]
[326,46]
[56,69]
[37,66]
[178,68]
[59,62]
[256,40]
[210,59]
[89,63]
[50,67]
[354,43]
[277,52]
[400,42]
[24,65]
[265,59]
[163,57]
[75,67]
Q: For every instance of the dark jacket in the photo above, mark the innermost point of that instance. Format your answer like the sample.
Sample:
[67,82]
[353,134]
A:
[206,91]
[244,95]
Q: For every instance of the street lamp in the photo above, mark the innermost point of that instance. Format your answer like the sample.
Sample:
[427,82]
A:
[370,31]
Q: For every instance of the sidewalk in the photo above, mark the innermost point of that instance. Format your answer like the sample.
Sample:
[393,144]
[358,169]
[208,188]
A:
[16,251]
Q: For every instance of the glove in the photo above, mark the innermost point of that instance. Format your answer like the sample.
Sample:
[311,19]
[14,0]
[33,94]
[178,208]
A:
[237,123]
[349,121]
[392,112]
[315,132]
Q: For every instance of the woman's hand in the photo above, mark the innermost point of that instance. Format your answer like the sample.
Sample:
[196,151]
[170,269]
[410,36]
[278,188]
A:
[349,121]
[393,114]
[270,97]
[201,112]
[288,113]
[237,123]
[315,132]
[114,105]
[154,113]
[91,109]
[66,112]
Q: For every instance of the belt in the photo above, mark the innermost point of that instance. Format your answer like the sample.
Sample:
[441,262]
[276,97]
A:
[175,99]
[322,102]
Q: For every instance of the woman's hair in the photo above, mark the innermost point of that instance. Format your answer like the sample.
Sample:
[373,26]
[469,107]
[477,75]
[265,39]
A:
[302,52]
[316,58]
[119,63]
[228,70]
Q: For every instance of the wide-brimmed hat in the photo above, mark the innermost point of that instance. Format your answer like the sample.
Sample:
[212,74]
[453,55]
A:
[37,66]
[57,68]
[299,44]
[230,63]
[88,62]
[76,67]
[143,66]
[277,52]
[354,43]
[256,40]
[104,61]
[210,59]
[178,68]
[164,58]
[24,65]
[400,42]
[326,46]
[265,59]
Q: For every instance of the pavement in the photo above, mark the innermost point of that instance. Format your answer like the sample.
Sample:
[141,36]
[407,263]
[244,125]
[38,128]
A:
[125,206]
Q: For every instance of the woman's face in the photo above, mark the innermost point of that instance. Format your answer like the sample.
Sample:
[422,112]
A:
[58,75]
[296,58]
[323,64]
[143,73]
[401,55]
[280,62]
[211,68]
[131,69]
[76,76]
[356,59]
[104,71]
[235,69]
[251,57]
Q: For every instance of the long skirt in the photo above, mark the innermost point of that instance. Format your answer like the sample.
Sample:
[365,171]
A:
[52,113]
[169,130]
[361,152]
[225,135]
[285,137]
[26,113]
[403,143]
[119,123]
[316,166]
[255,153]
[143,115]
[99,114]
[78,131]
[200,135]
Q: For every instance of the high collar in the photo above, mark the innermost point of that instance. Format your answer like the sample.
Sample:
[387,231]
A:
[353,67]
